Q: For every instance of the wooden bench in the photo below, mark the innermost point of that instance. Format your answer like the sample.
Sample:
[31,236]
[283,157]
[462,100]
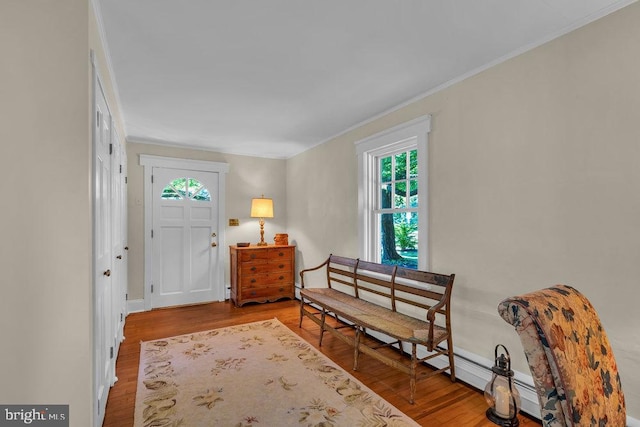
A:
[407,305]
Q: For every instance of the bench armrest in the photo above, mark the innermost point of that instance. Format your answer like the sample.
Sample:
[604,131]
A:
[431,313]
[306,270]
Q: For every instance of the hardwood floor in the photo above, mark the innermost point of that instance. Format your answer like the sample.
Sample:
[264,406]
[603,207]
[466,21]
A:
[439,402]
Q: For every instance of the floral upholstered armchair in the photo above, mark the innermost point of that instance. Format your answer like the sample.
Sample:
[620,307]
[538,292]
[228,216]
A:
[573,368]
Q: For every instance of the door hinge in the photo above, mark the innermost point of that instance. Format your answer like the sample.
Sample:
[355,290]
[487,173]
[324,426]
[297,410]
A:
[111,352]
[126,180]
[121,318]
[152,233]
[152,179]
[151,288]
[120,168]
[126,297]
[110,148]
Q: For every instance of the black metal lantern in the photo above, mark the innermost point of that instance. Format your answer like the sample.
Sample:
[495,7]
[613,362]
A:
[501,394]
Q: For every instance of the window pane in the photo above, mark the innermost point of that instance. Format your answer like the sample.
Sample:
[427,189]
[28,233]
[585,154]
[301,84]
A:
[385,169]
[194,186]
[401,166]
[399,239]
[180,185]
[400,196]
[168,193]
[413,163]
[385,196]
[413,193]
[203,195]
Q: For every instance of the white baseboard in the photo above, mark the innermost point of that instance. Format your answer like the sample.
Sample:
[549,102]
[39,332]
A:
[135,306]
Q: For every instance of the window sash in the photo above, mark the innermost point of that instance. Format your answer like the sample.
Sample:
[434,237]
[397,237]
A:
[369,151]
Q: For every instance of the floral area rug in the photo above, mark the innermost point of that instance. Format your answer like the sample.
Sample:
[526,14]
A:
[257,374]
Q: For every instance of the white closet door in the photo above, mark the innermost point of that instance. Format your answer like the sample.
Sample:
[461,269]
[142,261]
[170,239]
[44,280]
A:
[103,331]
[119,271]
[124,282]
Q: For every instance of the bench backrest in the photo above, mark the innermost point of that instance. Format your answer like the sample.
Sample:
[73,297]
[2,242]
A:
[398,288]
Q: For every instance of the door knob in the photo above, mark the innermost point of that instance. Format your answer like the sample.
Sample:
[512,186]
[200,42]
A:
[107,273]
[214,244]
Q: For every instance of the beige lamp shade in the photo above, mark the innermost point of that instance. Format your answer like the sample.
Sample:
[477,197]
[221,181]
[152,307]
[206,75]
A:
[262,208]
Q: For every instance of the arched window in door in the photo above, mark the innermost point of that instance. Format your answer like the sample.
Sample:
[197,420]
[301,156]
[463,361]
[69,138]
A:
[186,188]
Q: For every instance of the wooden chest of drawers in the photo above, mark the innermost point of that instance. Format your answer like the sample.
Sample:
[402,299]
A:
[261,273]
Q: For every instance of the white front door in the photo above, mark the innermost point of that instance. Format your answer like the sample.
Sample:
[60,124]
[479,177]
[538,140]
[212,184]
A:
[102,251]
[185,237]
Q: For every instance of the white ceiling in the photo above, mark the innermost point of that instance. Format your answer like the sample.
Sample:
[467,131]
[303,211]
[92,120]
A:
[272,78]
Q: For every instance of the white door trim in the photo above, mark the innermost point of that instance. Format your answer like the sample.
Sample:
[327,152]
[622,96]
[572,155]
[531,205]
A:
[149,162]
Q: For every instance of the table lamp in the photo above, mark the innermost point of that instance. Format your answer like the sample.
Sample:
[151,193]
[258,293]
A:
[262,208]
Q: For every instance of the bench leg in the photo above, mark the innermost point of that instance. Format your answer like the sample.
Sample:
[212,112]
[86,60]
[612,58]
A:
[412,379]
[452,367]
[356,349]
[301,311]
[322,319]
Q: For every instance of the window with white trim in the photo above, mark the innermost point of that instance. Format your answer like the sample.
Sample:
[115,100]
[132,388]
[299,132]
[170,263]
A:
[392,195]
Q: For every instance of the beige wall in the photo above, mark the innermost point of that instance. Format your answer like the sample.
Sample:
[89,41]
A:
[46,309]
[45,219]
[534,180]
[248,177]
[533,171]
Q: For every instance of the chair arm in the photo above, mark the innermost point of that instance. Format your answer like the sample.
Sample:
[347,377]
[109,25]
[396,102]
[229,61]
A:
[431,313]
[444,301]
[306,270]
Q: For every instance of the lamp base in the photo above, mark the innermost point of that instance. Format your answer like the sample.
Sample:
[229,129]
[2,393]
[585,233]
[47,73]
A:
[261,242]
[505,422]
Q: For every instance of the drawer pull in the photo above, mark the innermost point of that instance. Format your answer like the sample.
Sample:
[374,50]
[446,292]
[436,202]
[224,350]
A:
[253,280]
[253,293]
[253,269]
[281,289]
[281,278]
[281,254]
[281,266]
